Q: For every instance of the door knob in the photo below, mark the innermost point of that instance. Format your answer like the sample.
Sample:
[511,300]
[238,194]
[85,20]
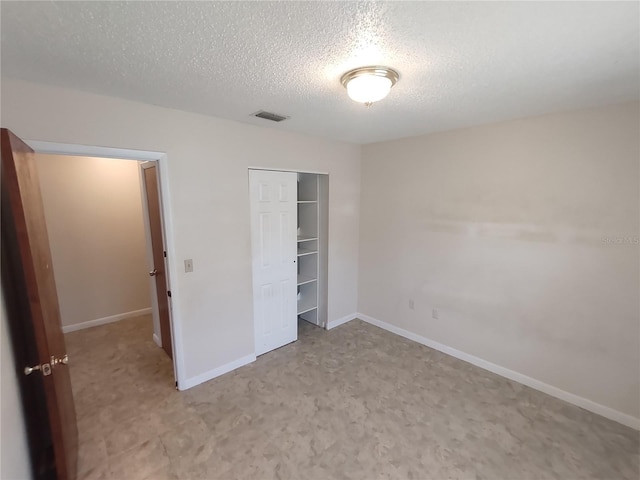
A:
[153,272]
[45,368]
[30,370]
[60,361]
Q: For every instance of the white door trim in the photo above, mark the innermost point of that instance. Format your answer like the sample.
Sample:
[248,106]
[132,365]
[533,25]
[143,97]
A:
[287,170]
[55,148]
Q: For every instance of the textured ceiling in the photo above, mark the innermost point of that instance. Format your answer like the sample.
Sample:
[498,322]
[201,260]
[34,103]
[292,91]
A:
[461,64]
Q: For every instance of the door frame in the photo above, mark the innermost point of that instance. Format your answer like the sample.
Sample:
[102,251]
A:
[161,158]
[293,170]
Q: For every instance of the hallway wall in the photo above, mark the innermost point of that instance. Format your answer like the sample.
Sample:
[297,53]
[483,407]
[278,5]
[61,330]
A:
[93,210]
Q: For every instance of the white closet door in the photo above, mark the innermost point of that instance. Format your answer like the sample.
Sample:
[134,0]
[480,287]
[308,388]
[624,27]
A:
[273,197]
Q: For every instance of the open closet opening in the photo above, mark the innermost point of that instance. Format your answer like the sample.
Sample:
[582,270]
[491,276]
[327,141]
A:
[312,246]
[289,238]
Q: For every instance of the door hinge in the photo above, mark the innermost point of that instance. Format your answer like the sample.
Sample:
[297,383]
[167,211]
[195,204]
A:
[168,293]
[165,254]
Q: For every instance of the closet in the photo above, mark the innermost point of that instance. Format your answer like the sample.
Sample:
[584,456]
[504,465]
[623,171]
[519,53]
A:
[289,244]
[312,248]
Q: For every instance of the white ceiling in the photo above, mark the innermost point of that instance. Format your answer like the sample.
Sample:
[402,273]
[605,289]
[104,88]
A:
[461,64]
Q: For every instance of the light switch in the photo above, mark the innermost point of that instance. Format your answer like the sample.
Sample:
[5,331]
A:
[188,266]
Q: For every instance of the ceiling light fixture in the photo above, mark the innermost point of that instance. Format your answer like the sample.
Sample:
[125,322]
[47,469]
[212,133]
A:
[369,84]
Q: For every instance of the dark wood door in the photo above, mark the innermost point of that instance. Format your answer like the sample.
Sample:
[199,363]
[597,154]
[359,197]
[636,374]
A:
[32,304]
[152,193]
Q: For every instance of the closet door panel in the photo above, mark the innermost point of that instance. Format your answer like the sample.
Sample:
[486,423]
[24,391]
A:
[273,201]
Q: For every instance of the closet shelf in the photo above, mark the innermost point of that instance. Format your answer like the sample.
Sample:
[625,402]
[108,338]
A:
[307,201]
[304,307]
[306,251]
[303,279]
[304,238]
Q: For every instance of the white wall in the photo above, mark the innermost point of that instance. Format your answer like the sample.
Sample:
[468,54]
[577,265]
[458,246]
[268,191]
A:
[207,178]
[505,230]
[93,210]
[14,456]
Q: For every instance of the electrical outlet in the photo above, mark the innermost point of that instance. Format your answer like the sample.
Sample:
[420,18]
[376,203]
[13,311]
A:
[188,266]
[434,314]
[412,305]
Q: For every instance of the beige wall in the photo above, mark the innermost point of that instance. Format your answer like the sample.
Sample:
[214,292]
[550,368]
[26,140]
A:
[206,180]
[14,456]
[509,230]
[499,227]
[93,210]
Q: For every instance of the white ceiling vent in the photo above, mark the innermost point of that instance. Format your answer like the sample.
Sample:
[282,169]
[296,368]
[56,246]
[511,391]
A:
[274,117]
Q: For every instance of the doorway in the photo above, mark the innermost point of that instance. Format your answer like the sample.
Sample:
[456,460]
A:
[55,432]
[289,244]
[105,232]
[160,160]
[106,238]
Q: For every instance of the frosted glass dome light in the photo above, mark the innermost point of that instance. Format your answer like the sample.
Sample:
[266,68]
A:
[369,84]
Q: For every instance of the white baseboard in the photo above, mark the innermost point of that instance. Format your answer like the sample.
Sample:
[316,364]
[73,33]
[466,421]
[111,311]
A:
[216,372]
[340,321]
[156,340]
[582,402]
[105,320]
